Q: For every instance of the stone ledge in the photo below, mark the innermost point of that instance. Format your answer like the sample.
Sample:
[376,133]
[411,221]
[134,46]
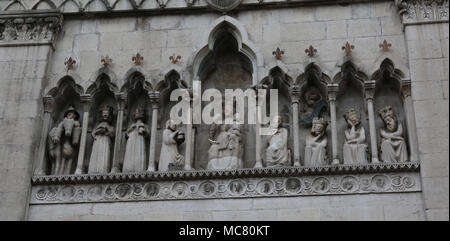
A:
[225,174]
[255,187]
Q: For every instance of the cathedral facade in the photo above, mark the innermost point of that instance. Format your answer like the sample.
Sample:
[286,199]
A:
[89,110]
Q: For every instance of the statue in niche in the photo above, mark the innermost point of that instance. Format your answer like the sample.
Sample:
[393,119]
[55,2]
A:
[226,142]
[316,143]
[277,152]
[313,105]
[170,159]
[101,148]
[68,133]
[135,156]
[355,146]
[393,145]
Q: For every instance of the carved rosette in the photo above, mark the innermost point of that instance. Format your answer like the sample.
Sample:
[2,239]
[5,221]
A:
[29,28]
[228,188]
[418,11]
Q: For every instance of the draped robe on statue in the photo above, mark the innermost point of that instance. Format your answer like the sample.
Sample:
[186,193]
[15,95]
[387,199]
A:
[277,153]
[101,148]
[134,160]
[393,146]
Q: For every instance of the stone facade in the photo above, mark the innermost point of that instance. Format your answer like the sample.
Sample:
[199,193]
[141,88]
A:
[365,55]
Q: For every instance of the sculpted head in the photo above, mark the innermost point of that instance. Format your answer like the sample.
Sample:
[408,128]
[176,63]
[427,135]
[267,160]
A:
[388,117]
[318,126]
[312,96]
[170,124]
[352,117]
[105,113]
[71,113]
[276,122]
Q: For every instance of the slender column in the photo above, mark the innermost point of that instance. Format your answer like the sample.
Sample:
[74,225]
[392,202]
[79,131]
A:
[189,135]
[369,92]
[410,121]
[48,109]
[154,99]
[258,158]
[121,100]
[332,91]
[86,100]
[295,99]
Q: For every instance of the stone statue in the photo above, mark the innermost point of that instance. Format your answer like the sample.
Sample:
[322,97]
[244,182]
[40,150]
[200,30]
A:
[170,159]
[313,105]
[316,143]
[135,156]
[101,148]
[277,152]
[393,146]
[355,146]
[67,132]
[226,142]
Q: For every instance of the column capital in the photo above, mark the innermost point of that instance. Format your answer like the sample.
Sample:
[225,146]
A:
[86,100]
[295,93]
[369,89]
[332,90]
[154,99]
[121,98]
[405,88]
[49,103]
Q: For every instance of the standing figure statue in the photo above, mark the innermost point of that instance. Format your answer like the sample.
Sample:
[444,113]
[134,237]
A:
[101,148]
[316,143]
[355,146]
[135,156]
[226,142]
[393,145]
[170,159]
[277,152]
[68,133]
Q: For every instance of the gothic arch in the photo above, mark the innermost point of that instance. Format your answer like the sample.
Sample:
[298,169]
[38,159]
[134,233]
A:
[350,74]
[48,2]
[244,45]
[19,3]
[388,72]
[313,75]
[74,2]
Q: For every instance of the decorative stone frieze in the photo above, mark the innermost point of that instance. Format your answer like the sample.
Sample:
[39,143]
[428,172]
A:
[239,186]
[423,11]
[29,28]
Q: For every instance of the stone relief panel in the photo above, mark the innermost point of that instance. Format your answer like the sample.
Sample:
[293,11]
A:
[33,28]
[416,11]
[227,188]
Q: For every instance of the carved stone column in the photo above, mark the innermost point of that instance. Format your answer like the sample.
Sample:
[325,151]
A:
[295,99]
[258,157]
[369,92]
[189,134]
[86,100]
[410,121]
[154,99]
[121,101]
[48,109]
[332,92]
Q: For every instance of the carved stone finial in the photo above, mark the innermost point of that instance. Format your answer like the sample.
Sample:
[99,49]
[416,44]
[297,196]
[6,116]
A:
[137,59]
[385,46]
[107,61]
[174,59]
[311,51]
[69,63]
[278,53]
[348,48]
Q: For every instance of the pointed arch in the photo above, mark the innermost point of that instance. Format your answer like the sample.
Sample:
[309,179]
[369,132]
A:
[104,71]
[59,80]
[75,2]
[313,75]
[387,72]
[104,2]
[102,80]
[135,76]
[48,2]
[244,45]
[18,3]
[350,74]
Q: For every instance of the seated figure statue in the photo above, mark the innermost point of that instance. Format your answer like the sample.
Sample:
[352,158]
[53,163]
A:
[393,145]
[355,146]
[226,147]
[316,143]
[277,152]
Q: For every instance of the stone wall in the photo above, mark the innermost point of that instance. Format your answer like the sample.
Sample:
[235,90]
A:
[421,51]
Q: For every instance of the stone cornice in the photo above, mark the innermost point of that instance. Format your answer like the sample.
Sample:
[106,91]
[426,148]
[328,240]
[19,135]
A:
[33,28]
[226,174]
[111,8]
[423,11]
